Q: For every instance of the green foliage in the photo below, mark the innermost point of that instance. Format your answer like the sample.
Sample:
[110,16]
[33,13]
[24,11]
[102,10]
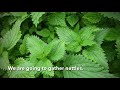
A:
[92,17]
[59,44]
[23,46]
[118,47]
[72,19]
[110,51]
[100,35]
[36,16]
[114,15]
[20,74]
[57,51]
[96,54]
[112,34]
[46,63]
[37,47]
[4,61]
[1,47]
[11,37]
[87,35]
[44,32]
[70,37]
[89,68]
[57,18]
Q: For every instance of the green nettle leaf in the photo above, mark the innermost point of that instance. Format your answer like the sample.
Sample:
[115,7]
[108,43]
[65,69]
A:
[109,51]
[93,17]
[3,14]
[46,67]
[4,61]
[96,54]
[20,74]
[1,47]
[74,46]
[59,74]
[84,68]
[57,19]
[115,15]
[12,37]
[32,29]
[72,19]
[57,51]
[21,62]
[37,47]
[23,46]
[22,69]
[87,35]
[118,47]
[11,20]
[113,34]
[77,27]
[44,32]
[19,14]
[100,35]
[71,39]
[36,16]
[67,35]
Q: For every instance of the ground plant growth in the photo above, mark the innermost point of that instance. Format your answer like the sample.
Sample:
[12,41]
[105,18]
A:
[59,44]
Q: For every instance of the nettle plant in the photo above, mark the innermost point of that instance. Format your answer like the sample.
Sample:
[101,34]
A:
[90,40]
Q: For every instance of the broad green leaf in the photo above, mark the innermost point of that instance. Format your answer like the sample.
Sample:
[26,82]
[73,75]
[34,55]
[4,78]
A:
[72,19]
[18,14]
[118,47]
[115,15]
[46,63]
[100,36]
[59,74]
[113,33]
[87,35]
[21,62]
[72,39]
[23,46]
[93,17]
[12,37]
[87,68]
[77,27]
[46,76]
[67,35]
[57,51]
[57,19]
[74,46]
[3,14]
[97,55]
[115,66]
[110,51]
[36,16]
[5,26]
[22,69]
[4,61]
[1,47]
[27,65]
[44,32]
[20,74]
[37,47]
[32,29]
[12,20]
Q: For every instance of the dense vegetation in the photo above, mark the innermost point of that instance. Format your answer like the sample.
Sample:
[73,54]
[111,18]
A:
[90,40]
